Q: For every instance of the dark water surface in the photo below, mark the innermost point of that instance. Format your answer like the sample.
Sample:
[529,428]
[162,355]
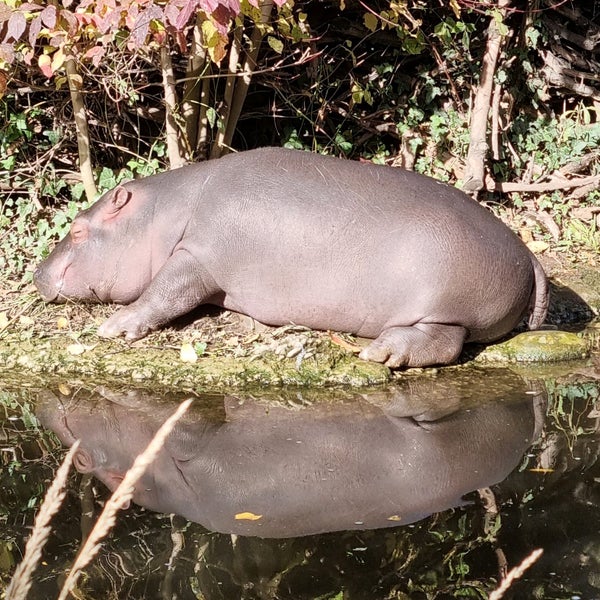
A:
[315,494]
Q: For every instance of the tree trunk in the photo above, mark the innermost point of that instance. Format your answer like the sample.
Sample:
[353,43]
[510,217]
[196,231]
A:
[243,83]
[176,158]
[234,59]
[192,94]
[474,172]
[83,136]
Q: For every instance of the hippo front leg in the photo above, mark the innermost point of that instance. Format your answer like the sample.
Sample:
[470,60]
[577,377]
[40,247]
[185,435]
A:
[180,285]
[417,346]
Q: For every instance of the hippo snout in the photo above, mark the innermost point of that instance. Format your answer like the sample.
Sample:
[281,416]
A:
[48,286]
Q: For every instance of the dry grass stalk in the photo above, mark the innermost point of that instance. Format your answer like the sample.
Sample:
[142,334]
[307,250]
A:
[21,581]
[120,496]
[515,574]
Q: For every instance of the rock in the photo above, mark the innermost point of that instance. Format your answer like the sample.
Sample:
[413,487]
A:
[538,346]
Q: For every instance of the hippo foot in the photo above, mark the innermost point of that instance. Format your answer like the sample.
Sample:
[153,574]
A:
[421,345]
[126,321]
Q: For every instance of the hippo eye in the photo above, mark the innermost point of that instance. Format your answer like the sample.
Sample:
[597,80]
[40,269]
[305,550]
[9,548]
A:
[78,233]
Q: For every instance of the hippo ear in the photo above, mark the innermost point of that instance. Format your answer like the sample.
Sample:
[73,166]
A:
[119,197]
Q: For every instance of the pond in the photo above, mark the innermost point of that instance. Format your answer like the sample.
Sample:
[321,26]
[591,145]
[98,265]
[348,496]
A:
[427,488]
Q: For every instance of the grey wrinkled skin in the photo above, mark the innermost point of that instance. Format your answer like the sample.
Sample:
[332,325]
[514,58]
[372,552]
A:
[292,237]
[281,470]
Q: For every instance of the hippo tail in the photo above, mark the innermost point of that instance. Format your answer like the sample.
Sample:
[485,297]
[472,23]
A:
[539,296]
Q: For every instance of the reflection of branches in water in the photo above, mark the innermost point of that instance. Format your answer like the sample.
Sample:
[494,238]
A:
[570,407]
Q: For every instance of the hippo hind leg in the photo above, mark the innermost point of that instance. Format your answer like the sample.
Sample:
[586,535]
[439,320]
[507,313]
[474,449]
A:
[417,346]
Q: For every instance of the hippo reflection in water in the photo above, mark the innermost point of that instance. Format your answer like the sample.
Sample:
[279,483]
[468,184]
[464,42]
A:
[287,468]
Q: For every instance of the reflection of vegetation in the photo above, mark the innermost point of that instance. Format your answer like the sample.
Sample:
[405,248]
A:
[569,408]
[449,555]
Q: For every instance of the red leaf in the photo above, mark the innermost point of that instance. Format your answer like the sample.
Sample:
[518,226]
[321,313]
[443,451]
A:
[49,16]
[45,64]
[96,54]
[171,14]
[142,23]
[5,13]
[7,52]
[34,29]
[186,13]
[16,26]
[71,21]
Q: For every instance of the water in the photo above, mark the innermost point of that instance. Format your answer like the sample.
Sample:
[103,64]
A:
[355,496]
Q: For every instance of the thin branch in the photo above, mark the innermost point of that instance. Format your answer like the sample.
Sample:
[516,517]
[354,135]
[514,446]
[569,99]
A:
[550,186]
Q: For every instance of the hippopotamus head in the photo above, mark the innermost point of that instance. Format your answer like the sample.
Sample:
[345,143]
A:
[100,259]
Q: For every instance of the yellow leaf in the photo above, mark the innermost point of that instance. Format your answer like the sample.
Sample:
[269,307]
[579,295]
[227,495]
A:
[76,349]
[62,323]
[64,389]
[538,246]
[210,35]
[58,59]
[395,518]
[371,22]
[247,516]
[187,353]
[455,6]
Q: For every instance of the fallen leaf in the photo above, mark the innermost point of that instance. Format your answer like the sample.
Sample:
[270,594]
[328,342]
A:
[76,349]
[538,246]
[62,323]
[247,516]
[395,518]
[188,353]
[64,389]
[336,339]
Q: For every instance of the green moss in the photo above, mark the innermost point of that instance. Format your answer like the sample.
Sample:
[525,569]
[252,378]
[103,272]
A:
[538,346]
[331,366]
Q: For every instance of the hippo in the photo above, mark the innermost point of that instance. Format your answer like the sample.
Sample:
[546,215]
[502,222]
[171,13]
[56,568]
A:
[287,236]
[288,467]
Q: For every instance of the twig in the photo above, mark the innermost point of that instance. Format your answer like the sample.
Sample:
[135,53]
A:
[119,498]
[551,186]
[21,580]
[515,574]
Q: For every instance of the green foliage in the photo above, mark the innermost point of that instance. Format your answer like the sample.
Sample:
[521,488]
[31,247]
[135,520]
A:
[553,143]
[26,230]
